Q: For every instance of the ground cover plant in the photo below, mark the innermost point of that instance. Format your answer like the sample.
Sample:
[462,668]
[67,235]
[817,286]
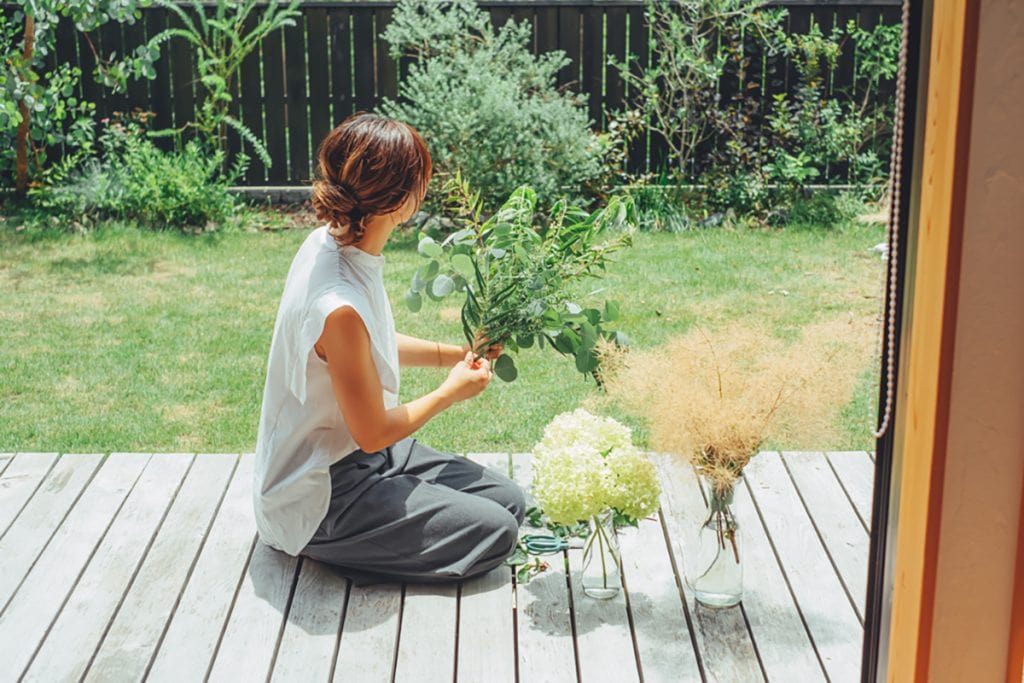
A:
[131,339]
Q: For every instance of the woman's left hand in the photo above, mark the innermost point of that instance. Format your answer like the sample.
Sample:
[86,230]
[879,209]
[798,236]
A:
[492,350]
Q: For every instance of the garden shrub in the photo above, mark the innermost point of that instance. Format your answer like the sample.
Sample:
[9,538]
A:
[487,106]
[132,179]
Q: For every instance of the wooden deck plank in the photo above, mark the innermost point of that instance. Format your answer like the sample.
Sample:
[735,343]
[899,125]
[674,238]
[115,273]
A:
[486,642]
[19,480]
[856,473]
[5,460]
[725,645]
[188,644]
[823,602]
[31,531]
[28,615]
[133,636]
[846,539]
[310,639]
[369,634]
[783,643]
[257,619]
[656,605]
[98,592]
[256,622]
[602,632]
[546,649]
[426,644]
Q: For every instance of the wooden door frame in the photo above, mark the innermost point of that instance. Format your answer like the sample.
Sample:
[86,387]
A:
[911,456]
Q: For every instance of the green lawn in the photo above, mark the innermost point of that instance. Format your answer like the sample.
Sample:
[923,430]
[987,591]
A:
[125,340]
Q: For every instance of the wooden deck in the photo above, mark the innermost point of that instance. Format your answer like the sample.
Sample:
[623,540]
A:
[147,566]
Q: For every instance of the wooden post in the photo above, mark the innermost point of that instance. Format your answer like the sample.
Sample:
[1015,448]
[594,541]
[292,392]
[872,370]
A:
[21,142]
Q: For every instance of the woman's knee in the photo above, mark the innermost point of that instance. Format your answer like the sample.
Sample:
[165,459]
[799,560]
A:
[510,495]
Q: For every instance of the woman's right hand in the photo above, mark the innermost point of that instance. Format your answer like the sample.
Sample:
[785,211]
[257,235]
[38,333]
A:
[467,378]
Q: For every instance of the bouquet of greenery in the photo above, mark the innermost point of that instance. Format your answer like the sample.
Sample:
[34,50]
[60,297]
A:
[515,269]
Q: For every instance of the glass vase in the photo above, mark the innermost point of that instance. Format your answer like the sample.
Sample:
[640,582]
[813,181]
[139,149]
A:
[601,559]
[714,566]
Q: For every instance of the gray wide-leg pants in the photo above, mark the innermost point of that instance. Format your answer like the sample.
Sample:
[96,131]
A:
[412,514]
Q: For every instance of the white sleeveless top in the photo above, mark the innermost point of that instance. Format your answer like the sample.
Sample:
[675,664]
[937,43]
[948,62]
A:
[301,430]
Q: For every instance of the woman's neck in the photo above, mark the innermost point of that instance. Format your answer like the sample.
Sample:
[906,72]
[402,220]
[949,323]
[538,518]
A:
[378,229]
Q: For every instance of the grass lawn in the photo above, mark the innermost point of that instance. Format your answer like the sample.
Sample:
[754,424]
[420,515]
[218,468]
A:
[128,340]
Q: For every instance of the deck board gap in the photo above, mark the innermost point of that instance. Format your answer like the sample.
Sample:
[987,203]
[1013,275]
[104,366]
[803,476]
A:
[234,598]
[785,577]
[341,627]
[85,565]
[458,621]
[679,576]
[284,617]
[192,567]
[138,567]
[753,642]
[821,539]
[515,606]
[849,497]
[398,635]
[629,619]
[564,559]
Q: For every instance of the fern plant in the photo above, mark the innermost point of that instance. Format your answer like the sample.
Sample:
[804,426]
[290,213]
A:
[516,270]
[221,40]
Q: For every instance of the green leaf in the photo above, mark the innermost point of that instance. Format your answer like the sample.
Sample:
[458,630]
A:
[463,265]
[505,368]
[611,311]
[586,360]
[413,300]
[429,248]
[441,286]
[525,341]
[517,558]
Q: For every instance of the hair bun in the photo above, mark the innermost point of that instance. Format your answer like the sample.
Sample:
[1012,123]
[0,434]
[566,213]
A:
[337,205]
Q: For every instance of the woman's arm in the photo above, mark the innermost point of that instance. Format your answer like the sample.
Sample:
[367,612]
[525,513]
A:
[416,352]
[420,353]
[357,388]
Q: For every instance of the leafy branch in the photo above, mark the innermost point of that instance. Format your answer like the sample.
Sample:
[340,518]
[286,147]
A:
[516,269]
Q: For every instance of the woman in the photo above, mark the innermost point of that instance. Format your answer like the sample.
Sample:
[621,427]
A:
[337,477]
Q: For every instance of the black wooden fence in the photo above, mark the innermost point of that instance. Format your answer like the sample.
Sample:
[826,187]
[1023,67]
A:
[334,61]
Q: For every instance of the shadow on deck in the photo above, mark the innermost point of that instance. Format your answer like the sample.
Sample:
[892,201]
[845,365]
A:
[147,566]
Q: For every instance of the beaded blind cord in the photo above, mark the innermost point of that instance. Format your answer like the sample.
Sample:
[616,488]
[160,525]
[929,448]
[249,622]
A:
[892,226]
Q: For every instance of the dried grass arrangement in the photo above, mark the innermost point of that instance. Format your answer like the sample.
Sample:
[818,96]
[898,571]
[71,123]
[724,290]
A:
[715,397]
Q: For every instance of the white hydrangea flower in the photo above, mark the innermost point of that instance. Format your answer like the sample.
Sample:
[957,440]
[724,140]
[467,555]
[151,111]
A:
[585,463]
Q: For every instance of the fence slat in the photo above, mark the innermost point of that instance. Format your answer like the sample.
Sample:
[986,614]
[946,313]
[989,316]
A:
[388,69]
[252,105]
[138,88]
[638,48]
[297,122]
[317,32]
[182,76]
[569,42]
[274,107]
[365,68]
[593,67]
[160,86]
[341,65]
[546,29]
[616,47]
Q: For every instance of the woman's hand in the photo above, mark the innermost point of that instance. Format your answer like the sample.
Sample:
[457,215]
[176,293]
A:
[492,351]
[467,378]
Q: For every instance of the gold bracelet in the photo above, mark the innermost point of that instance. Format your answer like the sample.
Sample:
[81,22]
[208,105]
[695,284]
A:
[438,353]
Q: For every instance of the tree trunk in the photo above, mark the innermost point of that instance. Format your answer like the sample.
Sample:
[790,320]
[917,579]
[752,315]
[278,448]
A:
[21,143]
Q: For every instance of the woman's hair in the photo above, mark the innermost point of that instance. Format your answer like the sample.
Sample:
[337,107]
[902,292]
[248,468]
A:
[367,166]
